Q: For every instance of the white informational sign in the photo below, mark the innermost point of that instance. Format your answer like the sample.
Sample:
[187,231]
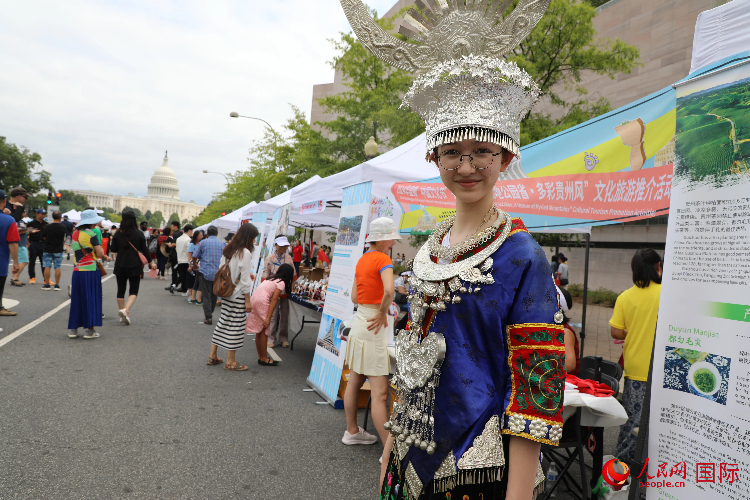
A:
[699,431]
[325,373]
[314,207]
[267,246]
[259,221]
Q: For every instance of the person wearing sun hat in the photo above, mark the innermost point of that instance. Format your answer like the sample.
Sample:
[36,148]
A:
[278,330]
[86,284]
[367,346]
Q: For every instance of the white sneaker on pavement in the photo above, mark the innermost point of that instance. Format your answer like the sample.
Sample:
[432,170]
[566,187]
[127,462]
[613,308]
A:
[73,334]
[124,316]
[361,437]
[91,334]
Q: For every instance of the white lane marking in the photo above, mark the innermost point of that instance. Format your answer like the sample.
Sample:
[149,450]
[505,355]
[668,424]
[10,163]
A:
[272,354]
[37,321]
[8,303]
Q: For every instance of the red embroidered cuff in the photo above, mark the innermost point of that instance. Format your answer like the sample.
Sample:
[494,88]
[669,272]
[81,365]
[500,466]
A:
[537,365]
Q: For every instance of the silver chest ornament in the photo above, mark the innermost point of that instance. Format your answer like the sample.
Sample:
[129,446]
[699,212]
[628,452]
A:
[433,287]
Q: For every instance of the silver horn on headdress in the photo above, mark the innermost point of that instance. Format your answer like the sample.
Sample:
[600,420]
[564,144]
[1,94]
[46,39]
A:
[466,90]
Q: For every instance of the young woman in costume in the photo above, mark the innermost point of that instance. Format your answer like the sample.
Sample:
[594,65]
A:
[481,364]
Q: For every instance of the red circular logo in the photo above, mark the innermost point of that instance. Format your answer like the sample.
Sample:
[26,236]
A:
[612,477]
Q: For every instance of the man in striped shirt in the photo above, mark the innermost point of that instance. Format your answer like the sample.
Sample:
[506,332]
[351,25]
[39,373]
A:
[208,253]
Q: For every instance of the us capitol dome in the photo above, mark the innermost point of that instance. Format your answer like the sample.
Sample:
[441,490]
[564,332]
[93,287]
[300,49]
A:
[162,195]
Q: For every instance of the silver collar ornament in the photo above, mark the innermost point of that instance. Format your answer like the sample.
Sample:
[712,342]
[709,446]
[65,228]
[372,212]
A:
[465,89]
[435,286]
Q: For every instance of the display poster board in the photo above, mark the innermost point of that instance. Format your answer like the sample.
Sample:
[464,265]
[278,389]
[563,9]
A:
[267,246]
[699,429]
[613,168]
[330,348]
[259,221]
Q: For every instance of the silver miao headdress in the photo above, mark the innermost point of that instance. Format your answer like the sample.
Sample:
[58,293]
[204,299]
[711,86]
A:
[466,90]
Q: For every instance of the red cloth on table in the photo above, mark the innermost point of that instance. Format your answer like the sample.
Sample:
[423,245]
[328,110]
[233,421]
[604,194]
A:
[590,386]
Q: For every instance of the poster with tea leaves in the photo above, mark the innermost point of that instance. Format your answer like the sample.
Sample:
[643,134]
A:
[700,401]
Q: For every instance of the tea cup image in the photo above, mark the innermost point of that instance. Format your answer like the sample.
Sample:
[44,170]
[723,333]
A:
[704,380]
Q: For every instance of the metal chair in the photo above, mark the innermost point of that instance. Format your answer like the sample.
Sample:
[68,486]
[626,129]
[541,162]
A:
[609,368]
[575,438]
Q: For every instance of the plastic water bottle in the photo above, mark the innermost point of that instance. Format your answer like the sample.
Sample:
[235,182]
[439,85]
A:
[552,476]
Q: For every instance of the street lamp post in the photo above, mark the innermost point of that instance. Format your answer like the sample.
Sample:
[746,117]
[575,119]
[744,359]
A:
[224,175]
[235,114]
[371,148]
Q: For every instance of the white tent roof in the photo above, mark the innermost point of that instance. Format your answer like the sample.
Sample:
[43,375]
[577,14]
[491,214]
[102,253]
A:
[73,216]
[402,164]
[721,32]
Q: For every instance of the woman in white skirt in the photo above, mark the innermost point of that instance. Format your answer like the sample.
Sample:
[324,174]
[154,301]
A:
[230,330]
[367,346]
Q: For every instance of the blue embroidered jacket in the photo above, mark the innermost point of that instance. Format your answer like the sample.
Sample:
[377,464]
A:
[504,356]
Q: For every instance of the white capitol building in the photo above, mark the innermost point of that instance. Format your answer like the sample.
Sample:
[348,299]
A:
[163,196]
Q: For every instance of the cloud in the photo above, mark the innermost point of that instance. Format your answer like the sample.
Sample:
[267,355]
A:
[102,89]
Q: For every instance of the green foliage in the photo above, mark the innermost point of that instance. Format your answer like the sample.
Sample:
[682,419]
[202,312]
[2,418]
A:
[417,240]
[20,167]
[556,240]
[148,215]
[284,159]
[706,149]
[372,105]
[558,51]
[601,296]
[174,217]
[138,213]
[156,220]
[398,269]
[71,201]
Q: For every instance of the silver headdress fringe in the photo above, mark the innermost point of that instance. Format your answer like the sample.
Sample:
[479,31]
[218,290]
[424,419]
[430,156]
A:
[468,90]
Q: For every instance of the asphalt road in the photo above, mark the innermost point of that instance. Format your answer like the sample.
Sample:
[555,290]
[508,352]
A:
[137,413]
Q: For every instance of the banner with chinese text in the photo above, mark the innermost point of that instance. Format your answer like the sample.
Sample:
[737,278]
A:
[699,431]
[614,168]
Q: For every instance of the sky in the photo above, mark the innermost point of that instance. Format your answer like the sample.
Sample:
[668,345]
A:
[101,89]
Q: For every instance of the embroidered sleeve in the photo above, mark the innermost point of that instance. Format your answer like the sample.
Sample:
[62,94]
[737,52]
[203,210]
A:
[536,355]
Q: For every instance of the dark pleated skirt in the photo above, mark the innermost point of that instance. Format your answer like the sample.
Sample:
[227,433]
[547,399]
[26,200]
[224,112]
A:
[85,300]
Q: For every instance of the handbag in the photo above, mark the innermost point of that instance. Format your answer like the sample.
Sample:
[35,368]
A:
[163,249]
[223,285]
[143,258]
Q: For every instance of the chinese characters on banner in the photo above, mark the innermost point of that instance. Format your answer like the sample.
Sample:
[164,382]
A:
[700,399]
[314,207]
[328,361]
[614,168]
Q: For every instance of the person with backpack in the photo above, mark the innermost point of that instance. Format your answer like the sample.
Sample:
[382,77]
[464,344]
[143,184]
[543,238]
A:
[234,283]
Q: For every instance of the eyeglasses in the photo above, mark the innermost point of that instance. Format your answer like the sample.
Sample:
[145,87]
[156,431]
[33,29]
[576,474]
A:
[480,159]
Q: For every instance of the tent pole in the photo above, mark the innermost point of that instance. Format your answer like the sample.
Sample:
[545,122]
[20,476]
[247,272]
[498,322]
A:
[585,293]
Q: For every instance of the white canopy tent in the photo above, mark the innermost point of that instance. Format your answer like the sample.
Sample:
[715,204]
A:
[721,32]
[73,215]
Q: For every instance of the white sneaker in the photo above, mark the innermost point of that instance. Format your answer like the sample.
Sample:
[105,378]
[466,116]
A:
[380,460]
[91,334]
[124,316]
[73,334]
[361,437]
[185,294]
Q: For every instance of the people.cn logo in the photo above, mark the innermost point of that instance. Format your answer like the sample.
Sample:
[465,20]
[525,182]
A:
[615,479]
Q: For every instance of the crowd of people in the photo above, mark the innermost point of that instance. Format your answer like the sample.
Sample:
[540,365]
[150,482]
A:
[194,261]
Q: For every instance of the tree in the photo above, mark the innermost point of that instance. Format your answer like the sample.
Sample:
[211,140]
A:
[556,54]
[174,217]
[21,167]
[371,108]
[156,220]
[283,160]
[71,201]
[138,213]
[148,215]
